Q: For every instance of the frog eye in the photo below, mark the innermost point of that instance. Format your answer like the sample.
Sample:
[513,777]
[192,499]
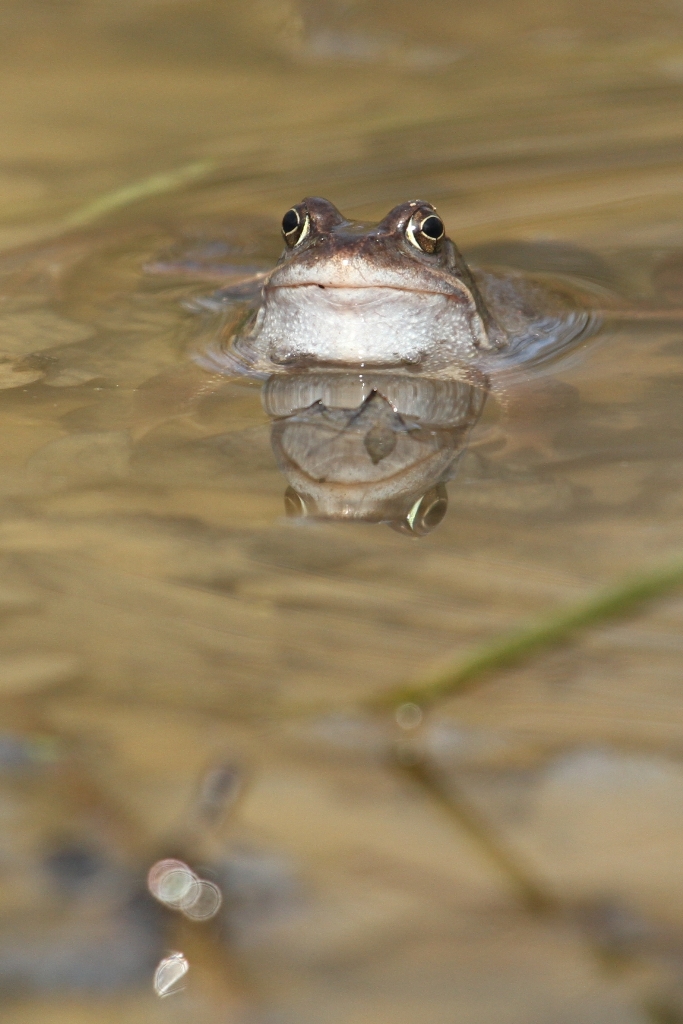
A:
[427,233]
[432,227]
[295,227]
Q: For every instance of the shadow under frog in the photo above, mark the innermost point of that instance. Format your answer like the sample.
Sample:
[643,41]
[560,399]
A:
[374,447]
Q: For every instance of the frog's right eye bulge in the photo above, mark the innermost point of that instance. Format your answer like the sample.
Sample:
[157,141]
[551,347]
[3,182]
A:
[427,233]
[294,227]
[290,222]
[432,227]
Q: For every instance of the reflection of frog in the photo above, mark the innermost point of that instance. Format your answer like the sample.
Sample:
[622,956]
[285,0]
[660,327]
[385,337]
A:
[395,295]
[373,446]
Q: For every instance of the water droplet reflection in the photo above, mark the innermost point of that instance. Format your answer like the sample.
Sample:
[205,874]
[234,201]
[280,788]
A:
[176,885]
[171,881]
[204,903]
[408,716]
[169,972]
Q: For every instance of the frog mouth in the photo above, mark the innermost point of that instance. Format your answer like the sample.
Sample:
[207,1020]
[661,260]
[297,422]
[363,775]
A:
[309,361]
[367,286]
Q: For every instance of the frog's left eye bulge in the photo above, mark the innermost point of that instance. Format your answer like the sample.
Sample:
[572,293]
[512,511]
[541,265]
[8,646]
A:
[427,233]
[294,227]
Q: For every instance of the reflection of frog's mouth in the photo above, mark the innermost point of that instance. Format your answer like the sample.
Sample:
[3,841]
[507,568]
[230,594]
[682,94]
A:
[437,403]
[361,485]
[366,446]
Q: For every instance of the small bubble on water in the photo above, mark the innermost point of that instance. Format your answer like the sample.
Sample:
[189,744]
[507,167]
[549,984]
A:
[204,904]
[408,716]
[159,869]
[168,973]
[172,882]
[176,885]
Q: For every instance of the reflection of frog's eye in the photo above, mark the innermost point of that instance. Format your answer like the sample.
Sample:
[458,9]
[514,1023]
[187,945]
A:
[294,227]
[295,506]
[425,514]
[426,234]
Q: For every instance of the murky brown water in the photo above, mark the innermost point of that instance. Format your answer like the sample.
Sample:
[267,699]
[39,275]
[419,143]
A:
[183,669]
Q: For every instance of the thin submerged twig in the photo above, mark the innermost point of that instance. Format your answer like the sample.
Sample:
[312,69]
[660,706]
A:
[658,1001]
[534,896]
[458,675]
[91,212]
[154,185]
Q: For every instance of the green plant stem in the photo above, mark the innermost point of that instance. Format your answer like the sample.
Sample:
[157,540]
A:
[535,896]
[515,647]
[155,185]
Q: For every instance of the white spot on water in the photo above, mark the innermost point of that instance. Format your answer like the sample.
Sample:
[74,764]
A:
[176,885]
[408,716]
[168,973]
[203,904]
[172,882]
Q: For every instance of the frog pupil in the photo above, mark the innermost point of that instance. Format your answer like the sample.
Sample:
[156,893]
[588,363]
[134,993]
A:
[432,227]
[290,222]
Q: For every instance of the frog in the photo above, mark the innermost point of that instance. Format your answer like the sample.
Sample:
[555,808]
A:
[395,295]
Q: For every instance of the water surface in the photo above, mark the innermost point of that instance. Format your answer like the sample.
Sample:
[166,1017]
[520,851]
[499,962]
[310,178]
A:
[167,629]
